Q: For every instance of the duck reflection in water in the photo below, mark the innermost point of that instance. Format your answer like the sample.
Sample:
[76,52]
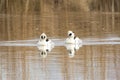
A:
[72,48]
[44,50]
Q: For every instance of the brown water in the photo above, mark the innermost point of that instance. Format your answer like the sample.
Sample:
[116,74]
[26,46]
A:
[27,19]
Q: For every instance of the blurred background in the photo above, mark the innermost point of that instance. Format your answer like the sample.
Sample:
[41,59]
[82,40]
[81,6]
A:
[27,19]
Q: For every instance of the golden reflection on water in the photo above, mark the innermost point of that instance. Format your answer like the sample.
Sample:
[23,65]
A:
[90,62]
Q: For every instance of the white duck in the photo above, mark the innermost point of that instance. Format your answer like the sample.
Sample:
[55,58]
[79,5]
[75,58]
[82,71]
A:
[44,41]
[72,39]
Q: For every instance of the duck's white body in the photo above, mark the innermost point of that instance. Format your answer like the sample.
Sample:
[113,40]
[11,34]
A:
[44,43]
[73,40]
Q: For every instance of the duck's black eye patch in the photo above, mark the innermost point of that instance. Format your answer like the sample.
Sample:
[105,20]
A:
[70,34]
[41,37]
[47,40]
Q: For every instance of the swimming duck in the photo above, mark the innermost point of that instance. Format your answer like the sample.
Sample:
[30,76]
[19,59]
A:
[44,41]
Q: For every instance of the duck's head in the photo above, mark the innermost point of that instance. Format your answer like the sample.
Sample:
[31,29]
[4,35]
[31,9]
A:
[71,34]
[43,36]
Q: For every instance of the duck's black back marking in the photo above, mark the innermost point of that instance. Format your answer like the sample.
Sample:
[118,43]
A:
[47,50]
[47,40]
[75,37]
